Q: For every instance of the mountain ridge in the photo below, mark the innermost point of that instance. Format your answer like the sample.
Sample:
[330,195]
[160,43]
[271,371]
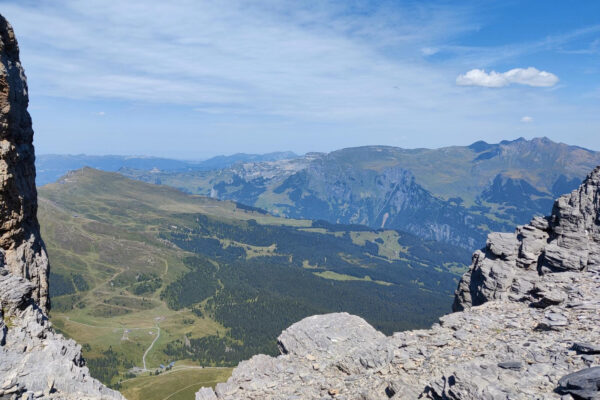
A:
[53,166]
[457,194]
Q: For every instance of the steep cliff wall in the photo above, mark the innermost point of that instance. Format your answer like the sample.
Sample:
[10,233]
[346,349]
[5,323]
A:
[21,246]
[530,329]
[35,361]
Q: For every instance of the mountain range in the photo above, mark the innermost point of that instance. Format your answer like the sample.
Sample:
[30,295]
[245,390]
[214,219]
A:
[525,327]
[51,167]
[455,194]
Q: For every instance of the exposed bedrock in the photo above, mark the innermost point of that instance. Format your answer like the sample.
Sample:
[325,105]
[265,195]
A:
[21,247]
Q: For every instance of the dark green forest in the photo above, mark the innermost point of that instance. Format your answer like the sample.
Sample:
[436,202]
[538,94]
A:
[256,298]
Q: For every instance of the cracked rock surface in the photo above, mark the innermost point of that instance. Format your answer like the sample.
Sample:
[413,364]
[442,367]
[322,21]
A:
[528,327]
[518,265]
[35,361]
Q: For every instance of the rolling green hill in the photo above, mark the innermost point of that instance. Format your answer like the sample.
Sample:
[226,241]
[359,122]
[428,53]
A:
[144,272]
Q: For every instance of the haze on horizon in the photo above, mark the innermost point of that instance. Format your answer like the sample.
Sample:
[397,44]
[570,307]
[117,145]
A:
[189,79]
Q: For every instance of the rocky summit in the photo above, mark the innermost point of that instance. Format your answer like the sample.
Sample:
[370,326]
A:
[35,361]
[527,327]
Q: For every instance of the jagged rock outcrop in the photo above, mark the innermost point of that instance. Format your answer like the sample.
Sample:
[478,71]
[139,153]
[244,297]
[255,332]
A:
[530,329]
[21,247]
[35,361]
[516,265]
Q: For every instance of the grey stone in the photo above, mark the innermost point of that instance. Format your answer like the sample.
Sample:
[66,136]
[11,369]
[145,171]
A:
[21,247]
[584,384]
[586,348]
[567,240]
[514,365]
[206,394]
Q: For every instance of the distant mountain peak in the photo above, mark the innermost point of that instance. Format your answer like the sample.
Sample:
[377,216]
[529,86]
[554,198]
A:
[518,140]
[480,146]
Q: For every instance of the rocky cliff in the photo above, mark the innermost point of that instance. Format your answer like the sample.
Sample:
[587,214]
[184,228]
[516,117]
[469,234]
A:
[529,329]
[21,247]
[35,361]
[518,265]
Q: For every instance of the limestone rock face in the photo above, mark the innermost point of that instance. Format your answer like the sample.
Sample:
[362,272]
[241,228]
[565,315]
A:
[530,329]
[21,247]
[517,265]
[35,361]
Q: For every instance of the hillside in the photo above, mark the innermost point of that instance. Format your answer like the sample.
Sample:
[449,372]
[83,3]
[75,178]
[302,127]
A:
[218,279]
[455,194]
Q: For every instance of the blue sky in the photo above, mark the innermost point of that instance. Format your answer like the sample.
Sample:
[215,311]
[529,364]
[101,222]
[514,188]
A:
[196,78]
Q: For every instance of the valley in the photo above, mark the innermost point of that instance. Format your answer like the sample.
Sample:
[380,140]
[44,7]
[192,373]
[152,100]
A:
[219,279]
[299,200]
[165,289]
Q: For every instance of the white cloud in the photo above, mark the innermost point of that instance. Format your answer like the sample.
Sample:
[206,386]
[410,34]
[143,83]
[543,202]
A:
[523,76]
[100,113]
[527,119]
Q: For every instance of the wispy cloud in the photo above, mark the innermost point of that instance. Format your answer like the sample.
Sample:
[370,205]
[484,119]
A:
[522,76]
[526,119]
[285,72]
[316,58]
[486,56]
[429,51]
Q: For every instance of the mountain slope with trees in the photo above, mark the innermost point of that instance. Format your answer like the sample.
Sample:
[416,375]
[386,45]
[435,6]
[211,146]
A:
[219,278]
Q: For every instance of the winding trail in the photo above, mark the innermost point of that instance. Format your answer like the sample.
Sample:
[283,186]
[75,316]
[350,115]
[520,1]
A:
[150,348]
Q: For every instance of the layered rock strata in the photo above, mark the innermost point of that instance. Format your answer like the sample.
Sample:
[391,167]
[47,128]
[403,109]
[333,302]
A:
[530,329]
[35,361]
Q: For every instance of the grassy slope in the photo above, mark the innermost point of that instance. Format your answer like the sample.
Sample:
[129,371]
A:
[105,229]
[455,171]
[185,379]
[109,240]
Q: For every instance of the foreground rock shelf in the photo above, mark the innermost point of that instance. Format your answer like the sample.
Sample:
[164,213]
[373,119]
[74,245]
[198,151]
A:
[499,350]
[530,329]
